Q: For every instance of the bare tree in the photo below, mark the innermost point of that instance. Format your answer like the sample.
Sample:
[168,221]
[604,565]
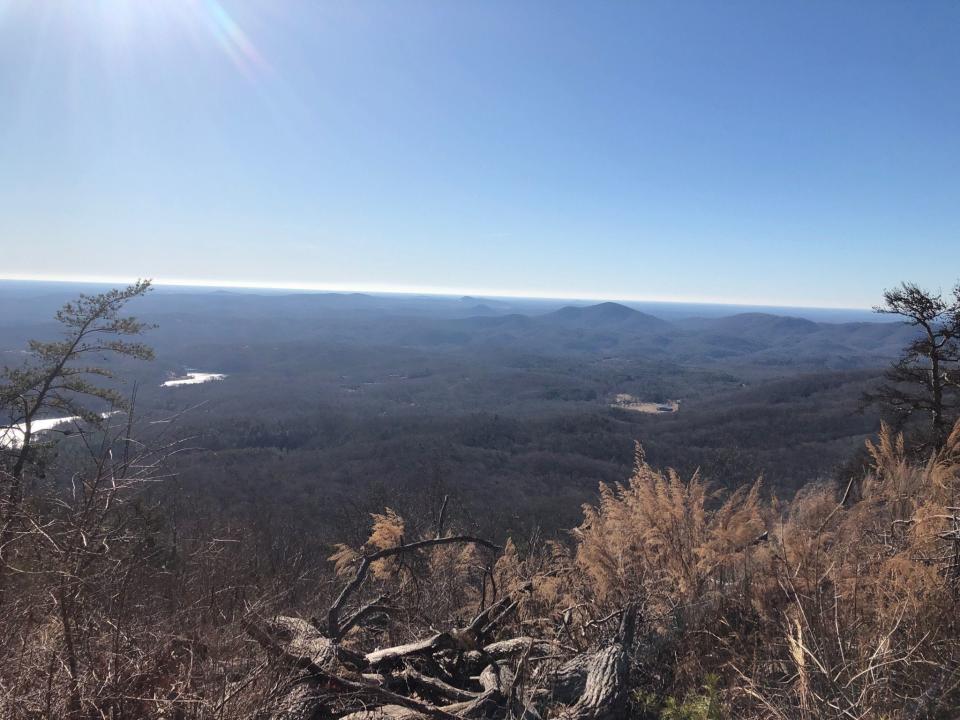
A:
[57,378]
[54,379]
[926,378]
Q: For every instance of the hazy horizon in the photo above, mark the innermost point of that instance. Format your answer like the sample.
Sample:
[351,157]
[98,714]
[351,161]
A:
[676,308]
[792,154]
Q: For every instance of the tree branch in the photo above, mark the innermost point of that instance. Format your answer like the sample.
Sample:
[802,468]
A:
[333,614]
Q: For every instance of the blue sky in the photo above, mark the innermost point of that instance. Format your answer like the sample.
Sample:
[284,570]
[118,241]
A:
[788,153]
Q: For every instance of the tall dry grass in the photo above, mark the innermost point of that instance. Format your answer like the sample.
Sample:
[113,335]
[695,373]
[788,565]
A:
[842,603]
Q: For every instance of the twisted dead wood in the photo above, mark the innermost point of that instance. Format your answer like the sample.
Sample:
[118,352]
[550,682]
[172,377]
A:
[606,686]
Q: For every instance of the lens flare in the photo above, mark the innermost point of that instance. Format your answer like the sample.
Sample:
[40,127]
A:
[231,38]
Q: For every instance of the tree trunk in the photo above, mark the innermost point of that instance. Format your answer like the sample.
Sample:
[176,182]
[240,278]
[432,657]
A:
[607,685]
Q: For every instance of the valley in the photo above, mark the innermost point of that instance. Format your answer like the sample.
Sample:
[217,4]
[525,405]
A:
[329,399]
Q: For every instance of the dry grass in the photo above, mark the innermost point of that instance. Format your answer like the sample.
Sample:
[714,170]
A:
[836,605]
[821,608]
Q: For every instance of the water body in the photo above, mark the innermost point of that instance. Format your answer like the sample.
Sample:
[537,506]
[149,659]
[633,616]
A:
[193,378]
[12,436]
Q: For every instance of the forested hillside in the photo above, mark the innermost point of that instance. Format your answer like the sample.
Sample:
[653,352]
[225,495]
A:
[362,515]
[334,398]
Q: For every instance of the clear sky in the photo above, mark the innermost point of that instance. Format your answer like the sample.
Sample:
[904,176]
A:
[790,153]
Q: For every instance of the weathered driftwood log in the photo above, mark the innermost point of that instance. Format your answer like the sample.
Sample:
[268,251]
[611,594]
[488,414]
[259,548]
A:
[386,712]
[436,688]
[373,695]
[472,662]
[435,678]
[506,649]
[606,687]
[301,644]
[497,676]
[489,706]
[295,642]
[463,639]
[567,682]
[386,656]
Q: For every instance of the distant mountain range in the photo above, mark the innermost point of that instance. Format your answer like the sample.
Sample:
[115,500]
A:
[615,329]
[440,323]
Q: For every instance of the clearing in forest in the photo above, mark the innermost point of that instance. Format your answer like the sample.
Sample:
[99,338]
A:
[626,401]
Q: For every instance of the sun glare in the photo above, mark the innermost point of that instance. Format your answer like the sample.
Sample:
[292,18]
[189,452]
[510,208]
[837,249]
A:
[229,36]
[130,23]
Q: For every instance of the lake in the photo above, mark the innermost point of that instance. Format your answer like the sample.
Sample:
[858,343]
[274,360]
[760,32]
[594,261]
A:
[193,378]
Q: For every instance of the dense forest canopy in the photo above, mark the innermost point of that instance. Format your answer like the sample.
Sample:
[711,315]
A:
[333,398]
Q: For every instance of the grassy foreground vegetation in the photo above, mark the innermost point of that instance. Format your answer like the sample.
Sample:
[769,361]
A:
[670,599]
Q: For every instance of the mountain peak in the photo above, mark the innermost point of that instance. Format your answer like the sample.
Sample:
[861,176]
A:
[603,314]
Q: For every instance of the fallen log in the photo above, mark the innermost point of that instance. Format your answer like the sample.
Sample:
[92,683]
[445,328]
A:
[290,641]
[437,678]
[497,676]
[506,649]
[299,643]
[489,706]
[436,687]
[385,712]
[440,641]
[376,695]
